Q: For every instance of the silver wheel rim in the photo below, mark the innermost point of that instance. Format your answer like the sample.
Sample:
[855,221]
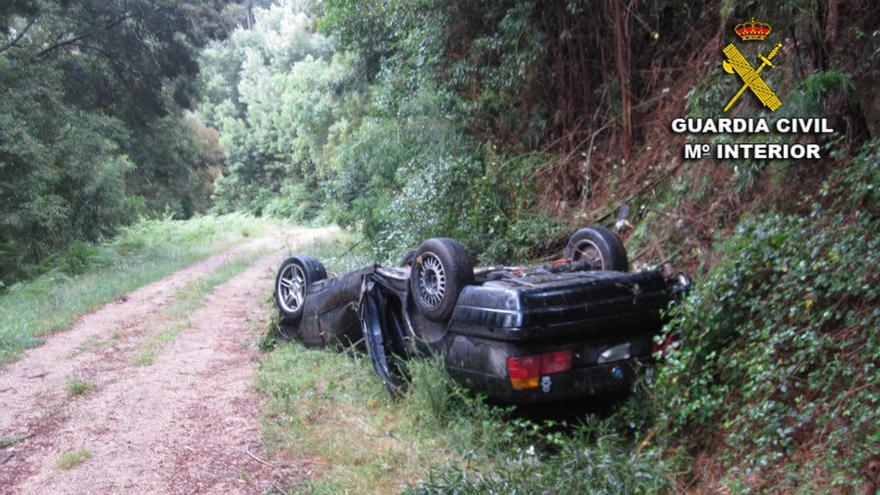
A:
[291,288]
[432,280]
[589,251]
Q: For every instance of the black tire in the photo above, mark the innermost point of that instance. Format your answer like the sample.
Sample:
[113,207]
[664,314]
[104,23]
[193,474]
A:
[408,258]
[440,270]
[288,330]
[306,268]
[602,246]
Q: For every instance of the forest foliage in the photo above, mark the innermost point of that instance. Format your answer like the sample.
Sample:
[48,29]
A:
[504,124]
[93,125]
[499,123]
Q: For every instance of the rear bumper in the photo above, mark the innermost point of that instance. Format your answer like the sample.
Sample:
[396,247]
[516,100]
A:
[481,364]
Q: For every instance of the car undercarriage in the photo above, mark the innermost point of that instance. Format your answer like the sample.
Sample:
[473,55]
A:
[581,326]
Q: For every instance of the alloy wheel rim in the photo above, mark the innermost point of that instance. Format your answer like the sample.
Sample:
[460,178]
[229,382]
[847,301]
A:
[292,288]
[432,280]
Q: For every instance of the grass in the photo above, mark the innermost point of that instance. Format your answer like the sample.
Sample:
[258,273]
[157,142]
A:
[69,460]
[77,387]
[330,411]
[189,298]
[140,254]
[95,343]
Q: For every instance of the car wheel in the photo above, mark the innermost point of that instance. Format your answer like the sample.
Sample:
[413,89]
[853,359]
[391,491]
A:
[600,247]
[292,283]
[440,270]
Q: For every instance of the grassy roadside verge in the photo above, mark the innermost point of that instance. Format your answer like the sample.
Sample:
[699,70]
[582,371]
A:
[140,254]
[330,412]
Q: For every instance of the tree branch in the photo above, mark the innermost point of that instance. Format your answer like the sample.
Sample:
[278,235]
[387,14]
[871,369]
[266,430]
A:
[81,37]
[18,37]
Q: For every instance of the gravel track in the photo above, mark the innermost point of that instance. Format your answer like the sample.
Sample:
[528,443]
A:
[187,423]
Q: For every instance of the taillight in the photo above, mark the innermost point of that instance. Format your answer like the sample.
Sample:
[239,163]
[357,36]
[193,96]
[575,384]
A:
[525,371]
[555,362]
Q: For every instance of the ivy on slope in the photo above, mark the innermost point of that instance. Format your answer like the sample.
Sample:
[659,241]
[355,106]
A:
[776,366]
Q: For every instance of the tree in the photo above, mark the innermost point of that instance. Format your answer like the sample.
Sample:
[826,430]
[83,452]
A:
[92,95]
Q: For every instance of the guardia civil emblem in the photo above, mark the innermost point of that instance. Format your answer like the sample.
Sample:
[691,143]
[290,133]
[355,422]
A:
[736,63]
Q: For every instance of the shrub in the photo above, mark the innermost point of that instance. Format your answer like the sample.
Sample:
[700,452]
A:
[593,459]
[486,201]
[778,347]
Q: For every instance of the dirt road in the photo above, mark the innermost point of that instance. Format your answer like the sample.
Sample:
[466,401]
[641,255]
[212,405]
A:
[185,422]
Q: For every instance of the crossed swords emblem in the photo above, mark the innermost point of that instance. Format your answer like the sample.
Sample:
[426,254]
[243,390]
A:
[751,77]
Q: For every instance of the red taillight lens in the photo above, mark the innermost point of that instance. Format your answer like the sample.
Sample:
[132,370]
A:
[524,367]
[526,371]
[556,362]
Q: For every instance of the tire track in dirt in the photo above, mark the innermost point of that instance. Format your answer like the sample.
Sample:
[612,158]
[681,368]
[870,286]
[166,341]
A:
[184,424]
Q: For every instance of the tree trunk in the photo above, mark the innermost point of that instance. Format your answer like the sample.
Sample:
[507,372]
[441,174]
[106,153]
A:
[831,25]
[621,57]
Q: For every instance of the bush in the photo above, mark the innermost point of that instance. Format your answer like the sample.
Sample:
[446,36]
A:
[592,459]
[505,453]
[858,184]
[484,200]
[778,351]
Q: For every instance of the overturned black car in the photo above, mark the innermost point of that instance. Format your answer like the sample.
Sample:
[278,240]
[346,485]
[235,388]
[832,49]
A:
[577,327]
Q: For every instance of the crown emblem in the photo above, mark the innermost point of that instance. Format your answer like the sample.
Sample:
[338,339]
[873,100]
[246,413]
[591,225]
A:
[751,30]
